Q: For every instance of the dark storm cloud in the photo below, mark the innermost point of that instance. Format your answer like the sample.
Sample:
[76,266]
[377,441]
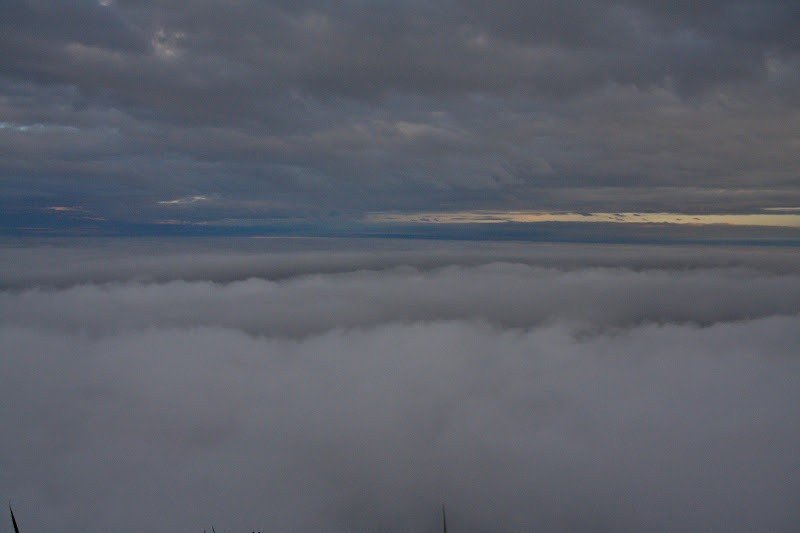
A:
[501,388]
[325,110]
[357,49]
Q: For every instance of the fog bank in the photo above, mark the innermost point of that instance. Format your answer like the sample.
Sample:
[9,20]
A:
[526,396]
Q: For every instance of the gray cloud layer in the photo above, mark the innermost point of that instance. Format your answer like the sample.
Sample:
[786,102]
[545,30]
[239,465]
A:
[318,110]
[507,295]
[71,262]
[573,388]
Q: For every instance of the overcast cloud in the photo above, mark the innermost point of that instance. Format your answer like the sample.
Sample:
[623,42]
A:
[559,388]
[285,113]
[299,383]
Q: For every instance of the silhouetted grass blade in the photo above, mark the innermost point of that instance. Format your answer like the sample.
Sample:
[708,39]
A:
[13,520]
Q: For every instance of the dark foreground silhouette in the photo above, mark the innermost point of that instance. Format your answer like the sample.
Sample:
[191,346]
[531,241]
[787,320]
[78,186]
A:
[13,520]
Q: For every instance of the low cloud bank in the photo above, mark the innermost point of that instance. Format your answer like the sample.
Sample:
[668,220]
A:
[60,265]
[525,396]
[505,295]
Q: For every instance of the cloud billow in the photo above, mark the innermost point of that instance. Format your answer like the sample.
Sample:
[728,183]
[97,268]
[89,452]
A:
[562,397]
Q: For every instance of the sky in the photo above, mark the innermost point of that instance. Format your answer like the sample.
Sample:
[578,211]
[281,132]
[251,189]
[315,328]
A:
[535,260]
[353,385]
[603,120]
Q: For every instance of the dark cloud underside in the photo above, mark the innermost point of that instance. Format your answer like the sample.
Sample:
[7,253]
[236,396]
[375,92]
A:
[320,111]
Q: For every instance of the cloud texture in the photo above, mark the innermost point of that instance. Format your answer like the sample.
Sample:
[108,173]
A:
[285,112]
[571,388]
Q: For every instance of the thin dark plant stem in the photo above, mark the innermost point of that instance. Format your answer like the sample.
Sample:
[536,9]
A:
[13,520]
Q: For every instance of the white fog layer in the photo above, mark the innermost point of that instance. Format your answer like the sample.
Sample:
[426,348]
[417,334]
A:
[556,388]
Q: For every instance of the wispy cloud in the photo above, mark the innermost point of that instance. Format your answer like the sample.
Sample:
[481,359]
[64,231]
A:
[63,208]
[186,200]
[782,209]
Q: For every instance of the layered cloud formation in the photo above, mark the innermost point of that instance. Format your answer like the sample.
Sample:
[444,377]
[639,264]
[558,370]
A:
[283,113]
[529,387]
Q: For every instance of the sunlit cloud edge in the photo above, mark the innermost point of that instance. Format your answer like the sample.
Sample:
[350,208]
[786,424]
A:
[772,219]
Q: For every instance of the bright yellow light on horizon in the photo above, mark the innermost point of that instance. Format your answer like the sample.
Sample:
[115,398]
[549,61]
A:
[786,219]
